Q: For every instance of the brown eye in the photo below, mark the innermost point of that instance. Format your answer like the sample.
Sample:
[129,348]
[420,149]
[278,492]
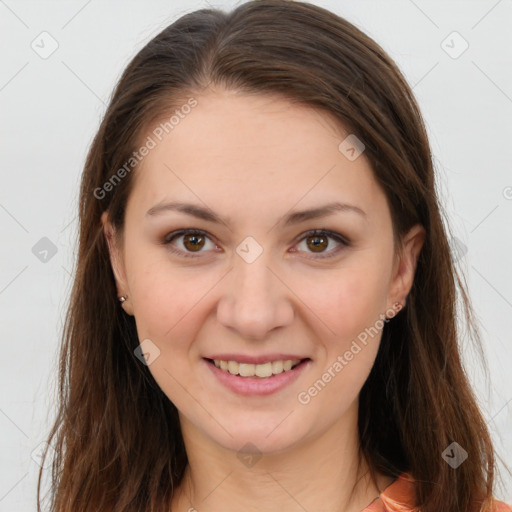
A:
[193,242]
[318,242]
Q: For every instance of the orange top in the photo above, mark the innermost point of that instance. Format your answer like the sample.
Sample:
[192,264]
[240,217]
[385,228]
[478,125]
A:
[400,495]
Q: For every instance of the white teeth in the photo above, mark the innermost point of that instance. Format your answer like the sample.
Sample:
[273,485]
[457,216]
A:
[263,370]
[260,370]
[277,367]
[233,367]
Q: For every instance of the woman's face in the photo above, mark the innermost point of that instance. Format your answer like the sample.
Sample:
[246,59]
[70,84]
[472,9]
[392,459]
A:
[255,285]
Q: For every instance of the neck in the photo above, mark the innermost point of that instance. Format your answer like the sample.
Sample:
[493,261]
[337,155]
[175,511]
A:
[325,473]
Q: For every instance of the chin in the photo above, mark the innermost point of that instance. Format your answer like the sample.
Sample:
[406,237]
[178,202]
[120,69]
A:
[266,438]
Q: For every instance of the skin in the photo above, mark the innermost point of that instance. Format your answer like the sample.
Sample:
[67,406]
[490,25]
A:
[253,158]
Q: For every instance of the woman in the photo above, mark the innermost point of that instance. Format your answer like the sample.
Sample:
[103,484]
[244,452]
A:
[264,309]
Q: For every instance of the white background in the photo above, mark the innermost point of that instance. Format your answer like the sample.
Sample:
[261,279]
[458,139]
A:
[50,109]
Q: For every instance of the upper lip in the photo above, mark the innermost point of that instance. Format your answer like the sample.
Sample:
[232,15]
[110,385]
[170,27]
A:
[242,358]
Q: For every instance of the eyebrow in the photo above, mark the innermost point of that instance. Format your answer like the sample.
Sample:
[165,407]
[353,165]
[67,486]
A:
[292,218]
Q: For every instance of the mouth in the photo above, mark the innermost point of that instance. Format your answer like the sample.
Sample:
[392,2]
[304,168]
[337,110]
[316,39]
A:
[268,370]
[256,379]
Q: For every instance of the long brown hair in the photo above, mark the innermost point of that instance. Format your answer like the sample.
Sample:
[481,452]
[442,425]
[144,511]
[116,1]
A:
[117,439]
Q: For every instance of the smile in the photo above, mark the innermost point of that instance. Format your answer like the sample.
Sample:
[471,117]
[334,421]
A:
[242,379]
[263,370]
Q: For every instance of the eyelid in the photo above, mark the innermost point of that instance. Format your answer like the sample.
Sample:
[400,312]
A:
[182,232]
[338,237]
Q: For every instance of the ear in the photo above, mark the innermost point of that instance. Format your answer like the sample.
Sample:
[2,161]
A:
[117,262]
[404,267]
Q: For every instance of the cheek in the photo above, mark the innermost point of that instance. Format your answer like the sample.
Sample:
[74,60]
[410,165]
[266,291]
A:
[164,297]
[349,300]
[352,309]
[166,308]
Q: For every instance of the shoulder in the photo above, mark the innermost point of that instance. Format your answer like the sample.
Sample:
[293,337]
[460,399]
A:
[400,496]
[500,506]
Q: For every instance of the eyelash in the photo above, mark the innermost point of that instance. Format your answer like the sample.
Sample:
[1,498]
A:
[315,232]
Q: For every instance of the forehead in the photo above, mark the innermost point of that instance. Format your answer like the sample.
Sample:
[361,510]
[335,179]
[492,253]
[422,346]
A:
[242,150]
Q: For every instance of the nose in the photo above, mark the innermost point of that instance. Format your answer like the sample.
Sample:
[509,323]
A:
[255,299]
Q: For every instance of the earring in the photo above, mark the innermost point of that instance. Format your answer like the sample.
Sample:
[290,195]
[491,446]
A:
[122,299]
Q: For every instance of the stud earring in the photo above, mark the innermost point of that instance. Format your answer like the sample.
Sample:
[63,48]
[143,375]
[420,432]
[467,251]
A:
[122,299]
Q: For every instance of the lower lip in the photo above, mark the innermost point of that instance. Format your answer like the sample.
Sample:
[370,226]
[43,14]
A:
[257,385]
